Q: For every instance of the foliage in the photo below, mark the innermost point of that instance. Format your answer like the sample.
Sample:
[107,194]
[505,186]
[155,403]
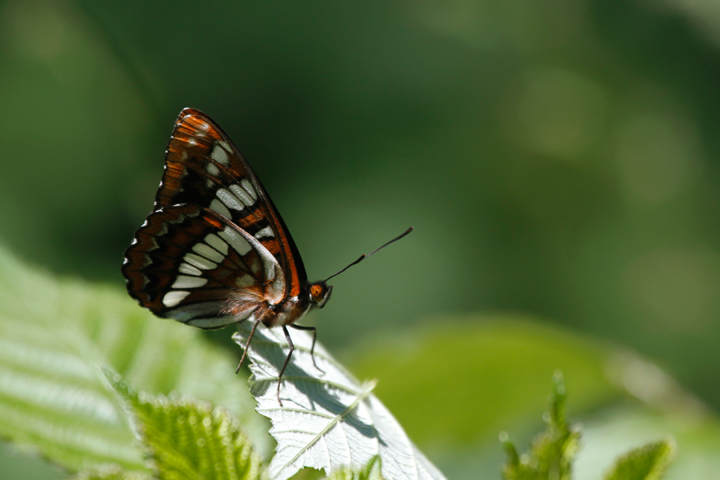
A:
[514,355]
[647,462]
[53,398]
[110,473]
[553,451]
[327,418]
[186,439]
[371,471]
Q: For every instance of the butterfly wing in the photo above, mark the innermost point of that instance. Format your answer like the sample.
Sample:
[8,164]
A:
[203,167]
[215,250]
[193,265]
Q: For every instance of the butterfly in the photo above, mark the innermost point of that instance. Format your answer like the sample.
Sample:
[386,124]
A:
[215,250]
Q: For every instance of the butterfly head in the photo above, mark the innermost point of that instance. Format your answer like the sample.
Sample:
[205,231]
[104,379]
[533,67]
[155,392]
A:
[320,294]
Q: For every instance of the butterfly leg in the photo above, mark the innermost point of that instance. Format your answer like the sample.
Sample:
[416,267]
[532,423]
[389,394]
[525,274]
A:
[247,345]
[312,348]
[287,360]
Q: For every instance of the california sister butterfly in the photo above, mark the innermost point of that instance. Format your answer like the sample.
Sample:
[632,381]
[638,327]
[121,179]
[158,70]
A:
[215,251]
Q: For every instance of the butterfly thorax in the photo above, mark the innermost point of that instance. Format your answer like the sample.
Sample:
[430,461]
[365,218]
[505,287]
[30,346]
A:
[249,304]
[286,312]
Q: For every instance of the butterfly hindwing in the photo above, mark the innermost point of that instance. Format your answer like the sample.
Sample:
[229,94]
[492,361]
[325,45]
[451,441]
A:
[194,265]
[203,167]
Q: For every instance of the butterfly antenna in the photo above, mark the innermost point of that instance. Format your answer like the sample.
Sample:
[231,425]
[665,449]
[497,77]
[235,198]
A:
[364,256]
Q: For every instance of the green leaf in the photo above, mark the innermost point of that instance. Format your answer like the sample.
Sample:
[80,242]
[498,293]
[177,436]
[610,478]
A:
[53,398]
[186,439]
[552,451]
[482,374]
[327,418]
[371,471]
[612,432]
[111,473]
[648,462]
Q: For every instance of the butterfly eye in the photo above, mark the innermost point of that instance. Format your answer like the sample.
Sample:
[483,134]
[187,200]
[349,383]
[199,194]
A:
[320,293]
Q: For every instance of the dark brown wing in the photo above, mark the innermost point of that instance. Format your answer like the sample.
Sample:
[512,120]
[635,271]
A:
[203,167]
[195,266]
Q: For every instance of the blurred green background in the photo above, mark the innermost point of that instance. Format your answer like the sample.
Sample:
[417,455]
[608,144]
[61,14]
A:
[557,157]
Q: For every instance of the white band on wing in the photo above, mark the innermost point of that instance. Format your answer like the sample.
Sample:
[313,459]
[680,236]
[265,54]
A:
[274,277]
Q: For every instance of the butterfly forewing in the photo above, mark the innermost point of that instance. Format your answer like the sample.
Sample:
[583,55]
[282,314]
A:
[203,167]
[192,264]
